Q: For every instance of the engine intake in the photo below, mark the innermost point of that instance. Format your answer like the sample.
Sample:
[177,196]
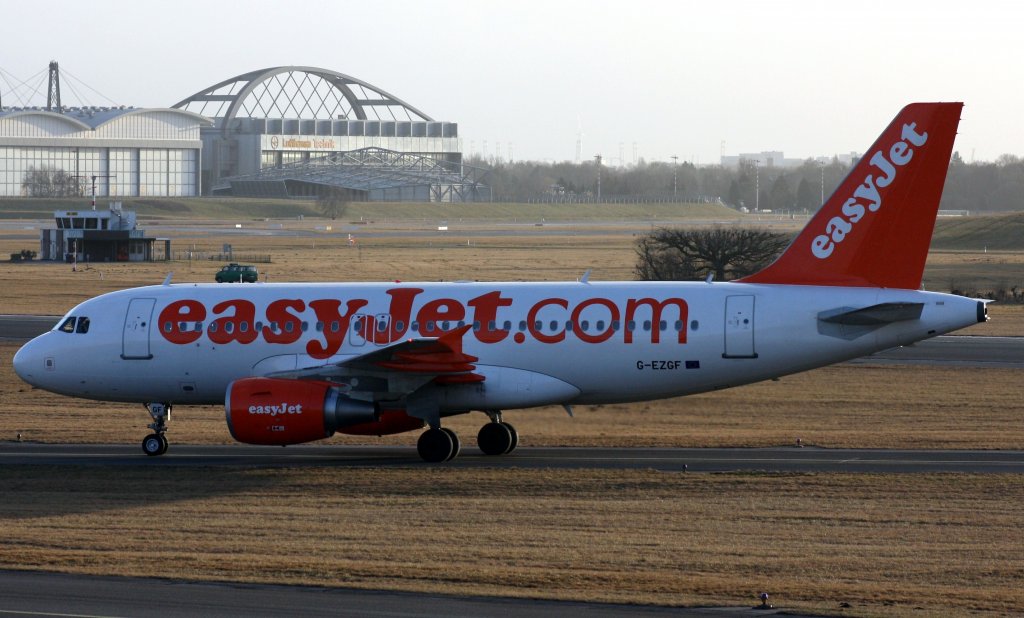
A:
[278,412]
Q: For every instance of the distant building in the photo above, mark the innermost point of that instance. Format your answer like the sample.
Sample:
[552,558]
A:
[776,159]
[97,236]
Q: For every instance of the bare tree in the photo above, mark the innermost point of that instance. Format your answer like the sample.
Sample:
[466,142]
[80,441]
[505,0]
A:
[333,202]
[668,254]
[50,182]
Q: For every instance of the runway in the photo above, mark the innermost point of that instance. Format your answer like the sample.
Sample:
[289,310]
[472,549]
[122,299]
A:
[781,459]
[1004,352]
[24,593]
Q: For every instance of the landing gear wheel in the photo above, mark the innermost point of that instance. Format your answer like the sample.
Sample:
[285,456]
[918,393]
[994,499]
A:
[496,438]
[515,437]
[436,445]
[154,444]
[456,444]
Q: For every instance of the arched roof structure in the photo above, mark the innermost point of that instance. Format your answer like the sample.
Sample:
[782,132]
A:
[298,92]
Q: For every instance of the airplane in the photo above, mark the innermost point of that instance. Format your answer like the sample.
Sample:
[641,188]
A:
[298,362]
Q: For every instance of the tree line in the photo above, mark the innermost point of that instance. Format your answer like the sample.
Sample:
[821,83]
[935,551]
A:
[978,187]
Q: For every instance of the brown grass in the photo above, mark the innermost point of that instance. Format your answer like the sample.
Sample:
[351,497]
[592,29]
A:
[922,545]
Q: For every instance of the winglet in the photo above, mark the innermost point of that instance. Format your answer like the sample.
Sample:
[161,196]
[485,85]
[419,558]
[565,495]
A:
[874,231]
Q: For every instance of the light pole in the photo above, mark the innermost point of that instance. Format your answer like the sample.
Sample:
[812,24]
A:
[597,158]
[757,185]
[675,175]
[822,183]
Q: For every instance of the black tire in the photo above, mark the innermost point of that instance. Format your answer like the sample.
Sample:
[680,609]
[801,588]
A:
[456,443]
[494,439]
[435,446]
[515,437]
[154,444]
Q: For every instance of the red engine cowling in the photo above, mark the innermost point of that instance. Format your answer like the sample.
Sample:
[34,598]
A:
[275,411]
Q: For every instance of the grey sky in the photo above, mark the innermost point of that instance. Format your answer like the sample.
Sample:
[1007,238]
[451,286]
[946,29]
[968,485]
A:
[675,78]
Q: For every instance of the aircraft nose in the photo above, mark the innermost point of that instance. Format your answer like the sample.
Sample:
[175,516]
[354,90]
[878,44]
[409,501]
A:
[28,363]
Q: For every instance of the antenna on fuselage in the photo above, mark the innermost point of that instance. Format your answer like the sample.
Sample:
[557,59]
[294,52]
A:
[586,277]
[167,279]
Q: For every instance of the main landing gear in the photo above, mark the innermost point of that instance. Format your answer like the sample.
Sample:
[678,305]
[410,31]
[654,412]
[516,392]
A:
[439,444]
[156,443]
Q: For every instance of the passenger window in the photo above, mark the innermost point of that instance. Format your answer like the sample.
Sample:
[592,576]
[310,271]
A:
[522,325]
[600,325]
[584,325]
[304,326]
[508,325]
[289,327]
[415,326]
[400,325]
[213,327]
[168,327]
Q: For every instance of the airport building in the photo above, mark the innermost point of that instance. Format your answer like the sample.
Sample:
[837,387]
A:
[295,131]
[286,131]
[126,152]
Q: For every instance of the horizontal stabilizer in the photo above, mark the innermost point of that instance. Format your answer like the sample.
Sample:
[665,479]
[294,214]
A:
[875,315]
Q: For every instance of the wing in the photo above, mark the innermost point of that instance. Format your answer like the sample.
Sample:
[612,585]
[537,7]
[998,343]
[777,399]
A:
[399,369]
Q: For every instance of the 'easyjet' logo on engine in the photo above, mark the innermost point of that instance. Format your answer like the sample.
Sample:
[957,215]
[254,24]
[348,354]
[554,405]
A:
[868,195]
[276,410]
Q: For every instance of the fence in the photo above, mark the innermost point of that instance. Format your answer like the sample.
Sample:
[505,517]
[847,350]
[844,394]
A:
[196,256]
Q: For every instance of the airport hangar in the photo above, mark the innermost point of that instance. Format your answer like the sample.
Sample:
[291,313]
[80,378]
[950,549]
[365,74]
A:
[287,131]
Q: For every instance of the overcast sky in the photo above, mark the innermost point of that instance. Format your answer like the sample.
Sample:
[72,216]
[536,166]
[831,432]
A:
[672,78]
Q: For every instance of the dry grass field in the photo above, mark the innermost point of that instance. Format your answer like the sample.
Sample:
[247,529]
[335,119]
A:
[915,545]
[912,545]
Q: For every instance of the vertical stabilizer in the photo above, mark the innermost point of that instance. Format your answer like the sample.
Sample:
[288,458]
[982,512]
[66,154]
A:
[874,231]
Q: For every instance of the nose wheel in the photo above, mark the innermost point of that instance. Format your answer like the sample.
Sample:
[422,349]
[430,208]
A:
[156,443]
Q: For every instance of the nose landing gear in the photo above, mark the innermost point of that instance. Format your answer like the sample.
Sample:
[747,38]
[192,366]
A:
[156,443]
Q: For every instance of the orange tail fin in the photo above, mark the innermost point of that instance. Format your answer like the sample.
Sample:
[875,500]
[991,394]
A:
[874,231]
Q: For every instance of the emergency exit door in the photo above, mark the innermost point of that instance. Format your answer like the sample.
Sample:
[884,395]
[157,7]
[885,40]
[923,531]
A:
[739,327]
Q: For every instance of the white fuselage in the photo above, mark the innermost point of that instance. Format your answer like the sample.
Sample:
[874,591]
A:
[537,343]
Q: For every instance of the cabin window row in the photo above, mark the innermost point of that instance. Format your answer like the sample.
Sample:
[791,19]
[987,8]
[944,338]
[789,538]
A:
[429,327]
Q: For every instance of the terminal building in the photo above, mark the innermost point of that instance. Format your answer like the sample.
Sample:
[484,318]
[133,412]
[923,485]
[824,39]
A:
[287,131]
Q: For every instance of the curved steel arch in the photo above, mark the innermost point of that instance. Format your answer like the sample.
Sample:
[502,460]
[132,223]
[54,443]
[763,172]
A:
[339,81]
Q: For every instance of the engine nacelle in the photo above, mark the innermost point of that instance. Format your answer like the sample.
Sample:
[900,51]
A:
[275,411]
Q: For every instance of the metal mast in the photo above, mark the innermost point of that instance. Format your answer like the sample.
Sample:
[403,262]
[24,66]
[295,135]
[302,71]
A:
[53,93]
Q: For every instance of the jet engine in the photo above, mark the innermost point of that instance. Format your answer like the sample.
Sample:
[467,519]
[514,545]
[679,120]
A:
[279,412]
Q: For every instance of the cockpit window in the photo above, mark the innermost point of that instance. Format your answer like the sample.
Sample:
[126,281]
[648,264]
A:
[75,325]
